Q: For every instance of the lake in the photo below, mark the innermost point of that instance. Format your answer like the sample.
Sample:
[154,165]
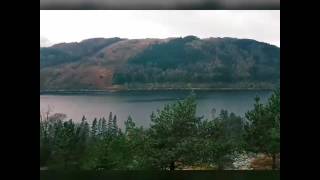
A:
[140,104]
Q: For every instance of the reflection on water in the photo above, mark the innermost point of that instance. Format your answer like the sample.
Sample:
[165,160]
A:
[141,104]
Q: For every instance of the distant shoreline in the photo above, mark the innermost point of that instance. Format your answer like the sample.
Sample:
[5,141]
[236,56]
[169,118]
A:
[43,92]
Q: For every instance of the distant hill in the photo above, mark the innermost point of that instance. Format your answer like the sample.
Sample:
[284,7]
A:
[172,63]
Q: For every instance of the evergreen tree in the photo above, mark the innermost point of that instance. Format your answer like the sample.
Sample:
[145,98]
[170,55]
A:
[94,128]
[82,140]
[172,133]
[99,133]
[45,149]
[222,138]
[114,127]
[129,125]
[83,130]
[176,137]
[263,127]
[110,123]
[104,128]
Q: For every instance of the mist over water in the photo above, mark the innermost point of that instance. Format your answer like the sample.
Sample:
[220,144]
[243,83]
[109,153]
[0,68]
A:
[141,104]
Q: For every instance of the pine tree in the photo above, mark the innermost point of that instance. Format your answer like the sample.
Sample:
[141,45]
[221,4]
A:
[81,130]
[83,119]
[99,133]
[273,106]
[262,131]
[223,138]
[45,149]
[110,123]
[114,128]
[94,128]
[104,127]
[129,125]
[172,134]
[84,131]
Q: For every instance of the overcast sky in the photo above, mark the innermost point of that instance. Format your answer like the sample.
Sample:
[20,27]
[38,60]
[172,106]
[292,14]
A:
[72,26]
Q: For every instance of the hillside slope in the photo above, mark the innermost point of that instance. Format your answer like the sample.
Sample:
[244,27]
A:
[189,62]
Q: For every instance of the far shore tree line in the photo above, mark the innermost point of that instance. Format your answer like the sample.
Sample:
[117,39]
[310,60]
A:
[176,138]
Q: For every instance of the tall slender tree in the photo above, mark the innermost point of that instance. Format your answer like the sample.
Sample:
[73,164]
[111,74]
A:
[110,123]
[94,128]
[114,128]
[104,128]
[129,125]
[263,127]
[172,133]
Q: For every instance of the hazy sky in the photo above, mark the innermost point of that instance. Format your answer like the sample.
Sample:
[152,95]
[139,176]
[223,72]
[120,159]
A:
[70,26]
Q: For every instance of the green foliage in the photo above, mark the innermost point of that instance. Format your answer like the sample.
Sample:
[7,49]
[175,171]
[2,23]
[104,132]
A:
[192,60]
[172,131]
[263,126]
[175,139]
[52,57]
[222,139]
[129,125]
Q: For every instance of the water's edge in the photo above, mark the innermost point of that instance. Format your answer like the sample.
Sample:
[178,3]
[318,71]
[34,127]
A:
[48,92]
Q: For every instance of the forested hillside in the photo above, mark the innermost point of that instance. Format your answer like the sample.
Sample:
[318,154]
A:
[188,62]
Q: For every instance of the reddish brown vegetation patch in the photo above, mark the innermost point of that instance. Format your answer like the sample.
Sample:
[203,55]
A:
[263,162]
[123,50]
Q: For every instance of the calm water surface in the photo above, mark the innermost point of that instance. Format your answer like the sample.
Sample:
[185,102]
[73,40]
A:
[141,104]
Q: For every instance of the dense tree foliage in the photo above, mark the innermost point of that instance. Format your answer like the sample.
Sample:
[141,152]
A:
[263,127]
[175,139]
[172,133]
[192,60]
[222,139]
